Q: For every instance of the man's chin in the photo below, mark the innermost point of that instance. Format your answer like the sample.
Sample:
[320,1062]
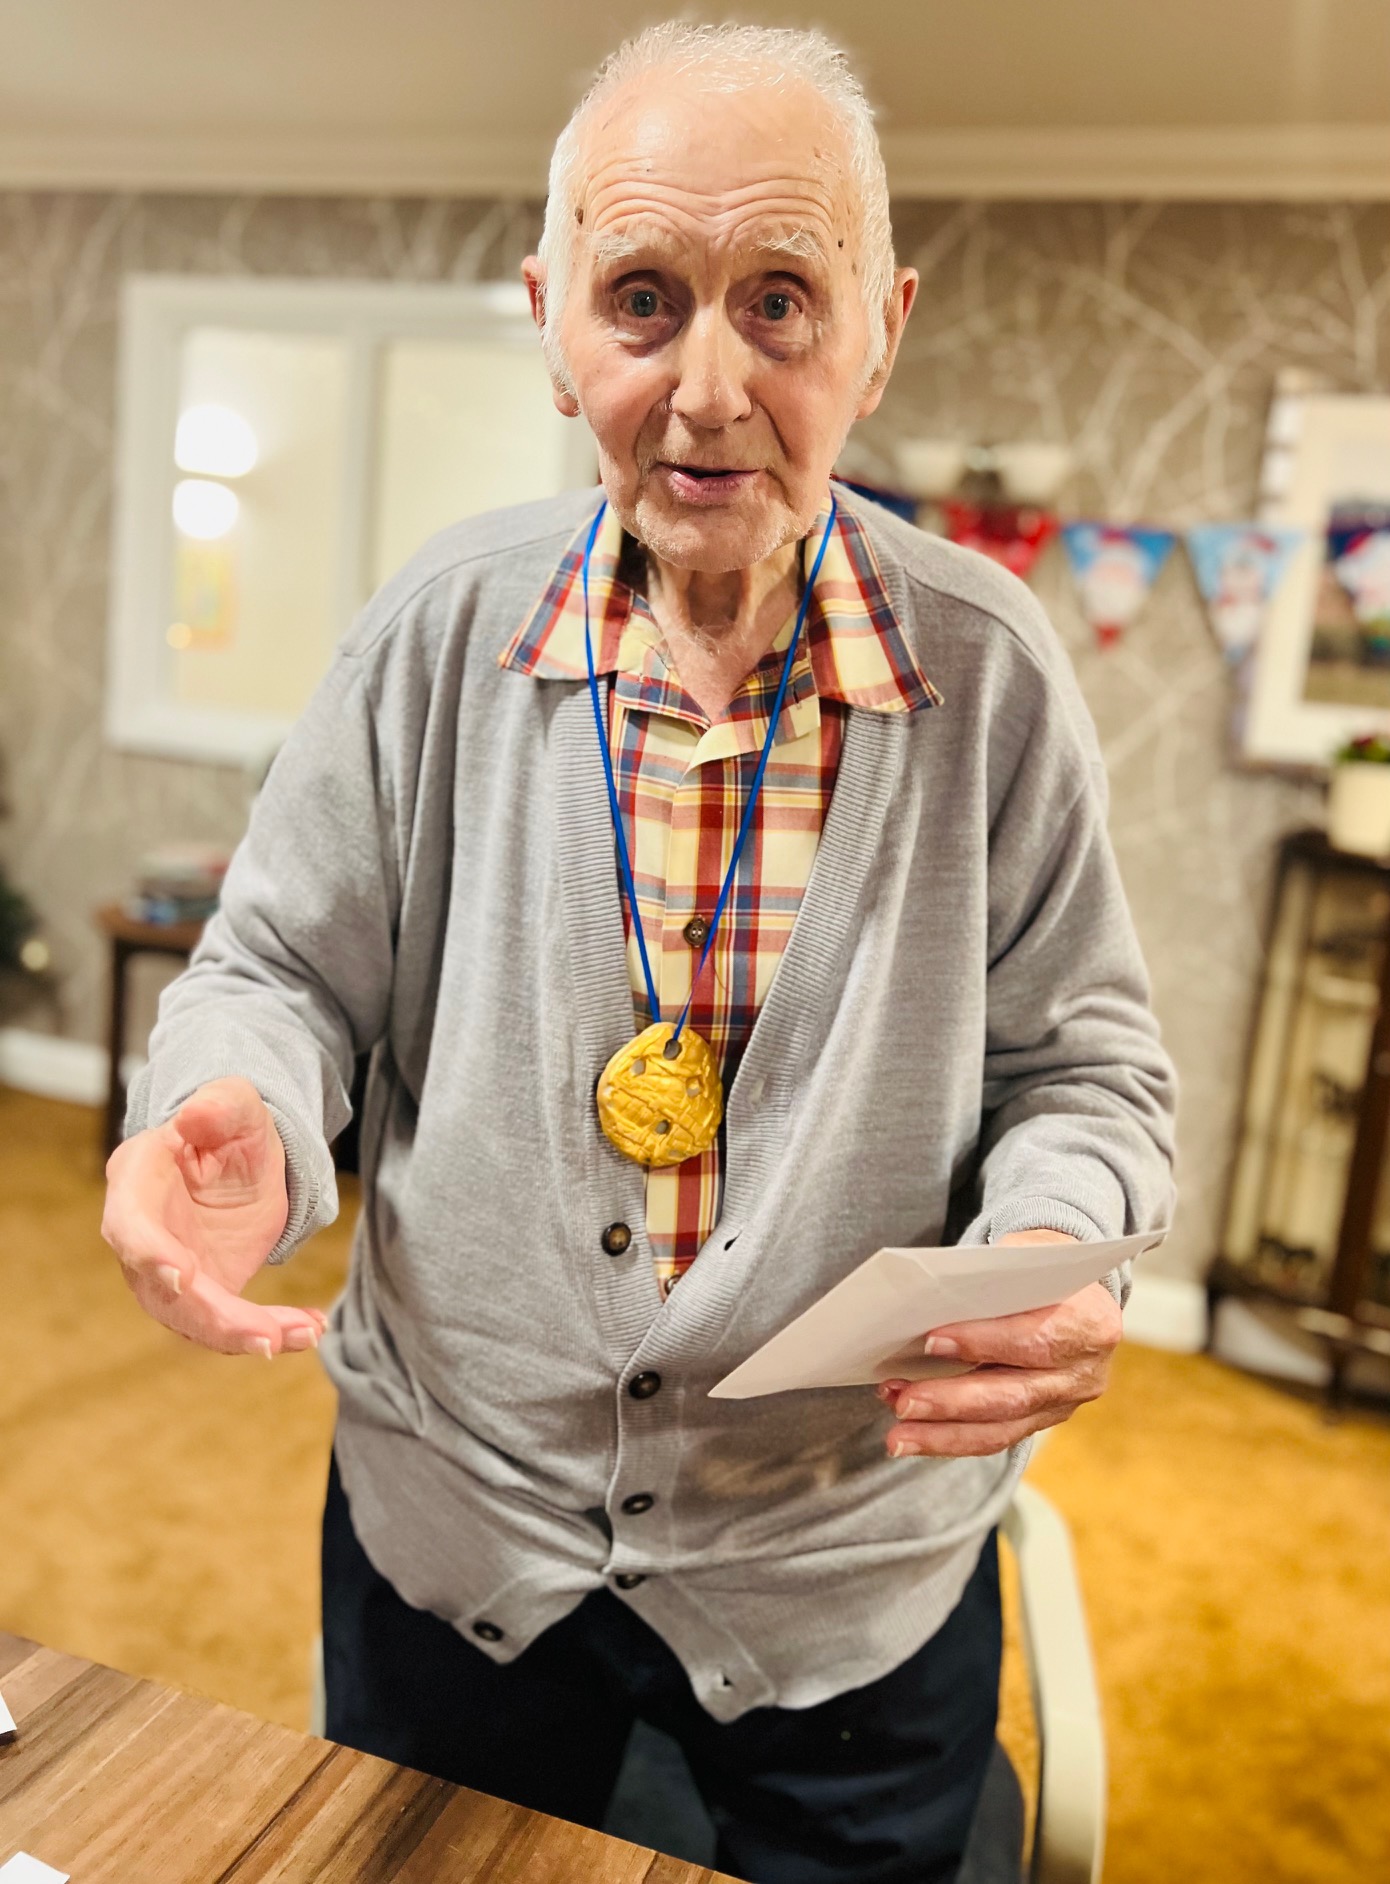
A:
[713,539]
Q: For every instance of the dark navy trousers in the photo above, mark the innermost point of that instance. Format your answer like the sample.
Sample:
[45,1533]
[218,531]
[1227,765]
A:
[877,1786]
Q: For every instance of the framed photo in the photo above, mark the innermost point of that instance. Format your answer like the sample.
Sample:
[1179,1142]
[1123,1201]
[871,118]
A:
[1320,674]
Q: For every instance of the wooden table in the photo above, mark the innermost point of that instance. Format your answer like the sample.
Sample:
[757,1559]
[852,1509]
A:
[129,938]
[121,1781]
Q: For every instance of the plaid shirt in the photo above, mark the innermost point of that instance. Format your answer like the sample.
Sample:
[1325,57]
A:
[683,782]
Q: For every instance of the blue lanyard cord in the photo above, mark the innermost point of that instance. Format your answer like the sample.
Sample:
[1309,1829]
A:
[745,823]
[602,731]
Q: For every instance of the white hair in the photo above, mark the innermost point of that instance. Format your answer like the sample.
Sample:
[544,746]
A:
[730,58]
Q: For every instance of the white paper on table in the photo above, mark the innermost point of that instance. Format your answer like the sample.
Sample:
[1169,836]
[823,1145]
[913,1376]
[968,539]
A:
[22,1869]
[872,1326]
[7,1726]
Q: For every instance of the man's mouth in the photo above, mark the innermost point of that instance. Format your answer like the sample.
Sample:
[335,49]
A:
[706,483]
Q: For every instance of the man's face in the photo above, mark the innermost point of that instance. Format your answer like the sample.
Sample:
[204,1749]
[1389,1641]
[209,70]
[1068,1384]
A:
[714,325]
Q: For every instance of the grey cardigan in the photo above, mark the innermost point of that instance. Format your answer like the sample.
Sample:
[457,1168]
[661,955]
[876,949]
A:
[957,1044]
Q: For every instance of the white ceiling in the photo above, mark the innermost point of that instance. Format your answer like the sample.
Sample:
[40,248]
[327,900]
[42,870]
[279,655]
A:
[1034,97]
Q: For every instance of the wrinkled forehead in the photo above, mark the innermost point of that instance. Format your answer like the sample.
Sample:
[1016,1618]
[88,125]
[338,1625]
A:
[671,164]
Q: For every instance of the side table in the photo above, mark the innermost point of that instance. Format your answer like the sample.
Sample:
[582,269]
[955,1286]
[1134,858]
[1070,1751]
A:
[129,938]
[1308,1212]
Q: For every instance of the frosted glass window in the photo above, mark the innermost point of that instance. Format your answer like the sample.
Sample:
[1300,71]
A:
[254,608]
[283,446]
[463,426]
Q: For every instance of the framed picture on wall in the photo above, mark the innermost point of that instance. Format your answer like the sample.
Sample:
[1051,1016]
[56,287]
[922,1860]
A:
[1320,674]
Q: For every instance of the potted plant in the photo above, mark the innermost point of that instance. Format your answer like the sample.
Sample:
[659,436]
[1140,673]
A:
[1358,802]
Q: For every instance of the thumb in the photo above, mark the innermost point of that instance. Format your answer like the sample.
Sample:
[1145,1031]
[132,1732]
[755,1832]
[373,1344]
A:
[225,1141]
[222,1110]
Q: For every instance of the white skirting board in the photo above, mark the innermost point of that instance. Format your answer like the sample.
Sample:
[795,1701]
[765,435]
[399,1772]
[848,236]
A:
[1256,1337]
[59,1069]
[1263,1341]
[1166,1312]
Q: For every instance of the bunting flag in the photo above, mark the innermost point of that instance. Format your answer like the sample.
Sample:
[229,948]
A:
[1114,566]
[1011,534]
[1238,567]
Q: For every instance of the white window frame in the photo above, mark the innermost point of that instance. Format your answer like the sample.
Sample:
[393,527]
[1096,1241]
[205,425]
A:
[157,312]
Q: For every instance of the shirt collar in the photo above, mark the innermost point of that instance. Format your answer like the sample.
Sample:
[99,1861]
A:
[857,649]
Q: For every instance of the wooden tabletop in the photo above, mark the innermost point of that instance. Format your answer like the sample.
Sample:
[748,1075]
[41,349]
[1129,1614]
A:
[173,938]
[121,1781]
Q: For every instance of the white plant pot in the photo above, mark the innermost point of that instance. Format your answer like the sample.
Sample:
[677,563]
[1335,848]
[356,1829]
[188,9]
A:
[1358,808]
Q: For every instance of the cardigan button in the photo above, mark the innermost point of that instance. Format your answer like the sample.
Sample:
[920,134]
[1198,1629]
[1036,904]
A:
[643,1386]
[489,1631]
[696,932]
[616,1239]
[638,1503]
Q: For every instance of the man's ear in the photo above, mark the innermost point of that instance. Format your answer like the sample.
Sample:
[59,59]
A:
[533,274]
[905,283]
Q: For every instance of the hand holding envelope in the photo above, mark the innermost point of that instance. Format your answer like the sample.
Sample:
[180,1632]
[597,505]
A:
[1035,1331]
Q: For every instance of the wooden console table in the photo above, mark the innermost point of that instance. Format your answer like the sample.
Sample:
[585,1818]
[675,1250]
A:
[1308,1212]
[120,1781]
[129,938]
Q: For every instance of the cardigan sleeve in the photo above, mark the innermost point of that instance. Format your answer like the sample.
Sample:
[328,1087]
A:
[1079,1093]
[291,977]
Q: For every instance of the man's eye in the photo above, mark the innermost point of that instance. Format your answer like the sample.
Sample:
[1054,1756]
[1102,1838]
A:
[643,302]
[776,307]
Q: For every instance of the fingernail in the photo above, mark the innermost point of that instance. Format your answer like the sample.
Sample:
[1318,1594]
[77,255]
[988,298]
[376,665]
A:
[902,1448]
[261,1345]
[942,1344]
[171,1278]
[298,1339]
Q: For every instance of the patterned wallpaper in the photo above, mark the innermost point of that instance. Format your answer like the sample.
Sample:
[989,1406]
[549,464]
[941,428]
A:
[1146,338]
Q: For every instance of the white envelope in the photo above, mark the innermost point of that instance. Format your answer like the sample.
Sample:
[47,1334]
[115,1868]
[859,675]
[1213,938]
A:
[22,1869]
[872,1326]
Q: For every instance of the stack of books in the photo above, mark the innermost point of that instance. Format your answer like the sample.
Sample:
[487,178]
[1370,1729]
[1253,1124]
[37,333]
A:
[178,883]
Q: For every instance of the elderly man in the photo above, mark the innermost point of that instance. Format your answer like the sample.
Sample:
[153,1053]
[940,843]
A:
[715,869]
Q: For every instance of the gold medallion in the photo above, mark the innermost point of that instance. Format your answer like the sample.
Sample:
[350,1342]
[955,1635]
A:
[660,1100]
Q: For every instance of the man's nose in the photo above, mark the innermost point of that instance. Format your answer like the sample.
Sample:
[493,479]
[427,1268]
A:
[710,388]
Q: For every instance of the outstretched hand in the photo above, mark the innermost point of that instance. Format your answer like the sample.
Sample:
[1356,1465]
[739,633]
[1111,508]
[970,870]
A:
[193,1209]
[1033,1370]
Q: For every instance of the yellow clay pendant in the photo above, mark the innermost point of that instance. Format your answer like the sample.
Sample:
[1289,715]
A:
[660,1101]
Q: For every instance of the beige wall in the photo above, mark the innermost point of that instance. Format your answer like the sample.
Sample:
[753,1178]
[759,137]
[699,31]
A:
[1146,338]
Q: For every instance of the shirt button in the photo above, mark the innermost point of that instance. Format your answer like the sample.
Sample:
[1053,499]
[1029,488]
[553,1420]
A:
[638,1503]
[643,1386]
[629,1580]
[489,1631]
[616,1239]
[696,932]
